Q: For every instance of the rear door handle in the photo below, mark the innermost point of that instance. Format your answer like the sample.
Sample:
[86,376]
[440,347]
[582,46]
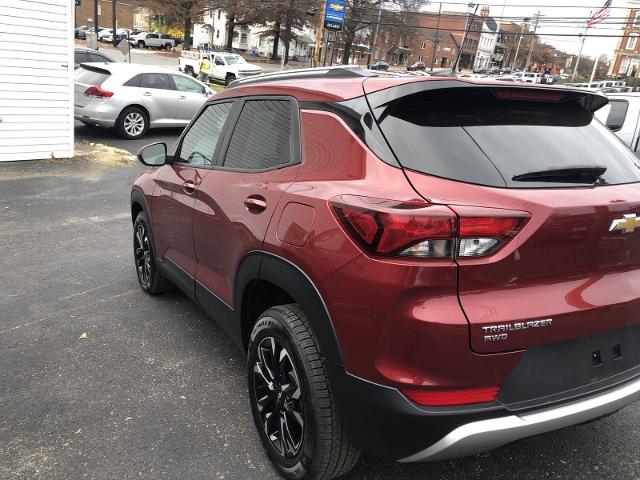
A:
[182,97]
[255,203]
[147,94]
[189,188]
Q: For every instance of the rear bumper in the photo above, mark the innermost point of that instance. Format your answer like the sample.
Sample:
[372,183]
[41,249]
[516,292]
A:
[484,435]
[383,422]
[103,114]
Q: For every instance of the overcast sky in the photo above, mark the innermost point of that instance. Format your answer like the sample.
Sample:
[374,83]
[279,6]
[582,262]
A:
[555,11]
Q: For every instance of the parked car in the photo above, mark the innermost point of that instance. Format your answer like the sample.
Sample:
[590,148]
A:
[79,31]
[227,67]
[481,71]
[622,116]
[152,40]
[121,33]
[416,66]
[460,276]
[379,65]
[87,55]
[133,97]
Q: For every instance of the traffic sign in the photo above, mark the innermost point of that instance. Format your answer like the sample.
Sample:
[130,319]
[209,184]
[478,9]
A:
[334,14]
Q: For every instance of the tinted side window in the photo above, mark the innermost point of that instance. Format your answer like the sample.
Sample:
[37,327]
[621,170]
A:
[133,82]
[152,35]
[98,58]
[262,137]
[156,80]
[80,57]
[199,143]
[617,114]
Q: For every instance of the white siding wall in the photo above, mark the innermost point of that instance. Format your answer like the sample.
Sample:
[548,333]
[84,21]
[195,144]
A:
[36,79]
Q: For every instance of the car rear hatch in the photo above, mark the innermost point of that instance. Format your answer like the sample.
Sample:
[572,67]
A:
[548,245]
[87,81]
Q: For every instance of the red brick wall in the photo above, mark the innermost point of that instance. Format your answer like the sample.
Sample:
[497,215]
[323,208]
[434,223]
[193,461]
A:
[124,14]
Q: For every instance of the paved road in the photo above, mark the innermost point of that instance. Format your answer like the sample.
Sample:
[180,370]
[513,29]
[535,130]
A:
[156,390]
[109,137]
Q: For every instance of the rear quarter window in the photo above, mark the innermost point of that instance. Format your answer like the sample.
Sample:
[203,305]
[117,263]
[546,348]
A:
[617,114]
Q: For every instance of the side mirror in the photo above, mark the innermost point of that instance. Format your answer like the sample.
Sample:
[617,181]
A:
[153,155]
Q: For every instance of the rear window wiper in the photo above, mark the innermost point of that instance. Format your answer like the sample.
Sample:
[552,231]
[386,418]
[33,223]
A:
[578,174]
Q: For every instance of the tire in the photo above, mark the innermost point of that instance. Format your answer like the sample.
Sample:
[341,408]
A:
[144,255]
[140,44]
[230,78]
[318,447]
[133,123]
[167,46]
[189,71]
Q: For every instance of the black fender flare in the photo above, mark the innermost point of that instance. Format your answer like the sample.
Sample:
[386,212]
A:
[138,197]
[261,265]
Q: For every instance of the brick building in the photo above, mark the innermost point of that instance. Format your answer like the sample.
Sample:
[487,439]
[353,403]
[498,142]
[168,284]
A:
[125,13]
[626,57]
[426,37]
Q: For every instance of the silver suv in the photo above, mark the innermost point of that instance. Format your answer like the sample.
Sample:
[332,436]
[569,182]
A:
[133,98]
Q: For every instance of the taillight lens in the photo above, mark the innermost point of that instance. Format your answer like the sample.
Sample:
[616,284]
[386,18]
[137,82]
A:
[421,230]
[441,398]
[97,92]
[386,227]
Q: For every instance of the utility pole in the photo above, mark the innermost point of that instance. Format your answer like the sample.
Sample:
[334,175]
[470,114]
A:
[533,41]
[595,67]
[287,33]
[515,58]
[375,35]
[574,74]
[436,41]
[464,37]
[114,22]
[96,21]
[319,34]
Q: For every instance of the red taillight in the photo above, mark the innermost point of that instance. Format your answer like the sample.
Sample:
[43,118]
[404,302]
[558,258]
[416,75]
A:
[488,227]
[385,227]
[419,229]
[97,92]
[434,398]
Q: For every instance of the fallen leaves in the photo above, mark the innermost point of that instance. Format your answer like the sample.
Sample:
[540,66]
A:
[183,397]
[84,336]
[77,431]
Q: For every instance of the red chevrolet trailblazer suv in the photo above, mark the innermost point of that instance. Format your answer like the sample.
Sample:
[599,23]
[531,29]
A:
[418,268]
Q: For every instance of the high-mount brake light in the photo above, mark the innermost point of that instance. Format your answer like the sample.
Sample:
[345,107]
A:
[97,92]
[441,398]
[528,94]
[418,229]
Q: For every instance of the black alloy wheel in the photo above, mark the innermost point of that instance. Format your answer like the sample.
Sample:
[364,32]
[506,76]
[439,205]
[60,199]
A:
[278,397]
[142,252]
[149,276]
[291,401]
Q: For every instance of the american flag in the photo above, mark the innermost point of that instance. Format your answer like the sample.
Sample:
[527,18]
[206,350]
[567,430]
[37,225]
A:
[600,15]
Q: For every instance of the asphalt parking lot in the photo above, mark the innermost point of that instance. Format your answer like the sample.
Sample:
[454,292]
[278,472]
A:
[102,381]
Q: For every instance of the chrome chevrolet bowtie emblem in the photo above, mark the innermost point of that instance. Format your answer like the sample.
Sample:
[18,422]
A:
[627,224]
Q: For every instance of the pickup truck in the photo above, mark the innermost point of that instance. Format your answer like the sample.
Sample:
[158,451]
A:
[152,40]
[621,115]
[225,67]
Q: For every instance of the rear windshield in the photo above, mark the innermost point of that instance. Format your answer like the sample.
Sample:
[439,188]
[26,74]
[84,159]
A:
[91,77]
[471,136]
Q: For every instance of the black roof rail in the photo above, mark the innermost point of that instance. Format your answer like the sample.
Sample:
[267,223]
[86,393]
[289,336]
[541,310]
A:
[342,71]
